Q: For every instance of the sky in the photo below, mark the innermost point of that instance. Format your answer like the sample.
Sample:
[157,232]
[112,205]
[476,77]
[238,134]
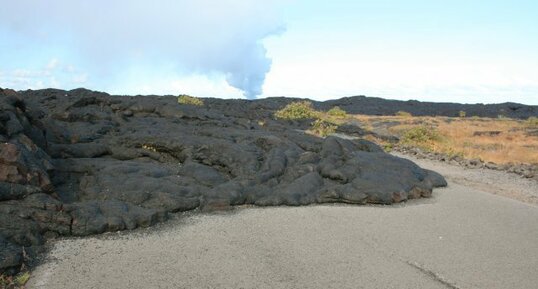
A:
[444,51]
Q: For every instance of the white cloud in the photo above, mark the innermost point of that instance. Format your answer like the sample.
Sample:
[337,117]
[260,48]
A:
[347,71]
[54,74]
[195,37]
[53,63]
[197,84]
[80,78]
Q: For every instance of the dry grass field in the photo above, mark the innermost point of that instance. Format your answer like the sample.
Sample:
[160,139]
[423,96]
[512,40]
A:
[498,140]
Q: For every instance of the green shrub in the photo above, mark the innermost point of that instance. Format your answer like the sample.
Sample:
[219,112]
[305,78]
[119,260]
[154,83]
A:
[297,110]
[15,282]
[388,147]
[337,112]
[190,100]
[404,113]
[22,278]
[462,113]
[323,128]
[532,121]
[421,136]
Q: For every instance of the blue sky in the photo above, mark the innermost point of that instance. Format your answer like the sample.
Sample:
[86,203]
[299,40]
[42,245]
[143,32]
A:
[447,51]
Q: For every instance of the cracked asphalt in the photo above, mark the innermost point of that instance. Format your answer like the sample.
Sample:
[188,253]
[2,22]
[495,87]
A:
[462,237]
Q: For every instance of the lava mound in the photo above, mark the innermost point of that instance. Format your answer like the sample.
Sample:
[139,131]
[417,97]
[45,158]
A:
[81,162]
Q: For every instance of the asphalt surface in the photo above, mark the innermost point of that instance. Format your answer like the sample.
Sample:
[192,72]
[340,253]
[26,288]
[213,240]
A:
[469,235]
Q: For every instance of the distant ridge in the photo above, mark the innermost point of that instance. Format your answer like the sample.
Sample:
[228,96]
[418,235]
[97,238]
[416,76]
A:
[369,105]
[380,106]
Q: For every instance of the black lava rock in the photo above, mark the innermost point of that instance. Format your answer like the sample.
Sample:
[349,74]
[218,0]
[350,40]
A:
[82,162]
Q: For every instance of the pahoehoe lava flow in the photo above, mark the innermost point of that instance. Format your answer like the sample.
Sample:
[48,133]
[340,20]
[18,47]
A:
[81,162]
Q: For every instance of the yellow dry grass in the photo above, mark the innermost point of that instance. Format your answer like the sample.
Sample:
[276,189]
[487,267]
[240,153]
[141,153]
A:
[511,145]
[495,140]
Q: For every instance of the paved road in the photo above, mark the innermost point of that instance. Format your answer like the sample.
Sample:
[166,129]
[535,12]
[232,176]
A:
[463,237]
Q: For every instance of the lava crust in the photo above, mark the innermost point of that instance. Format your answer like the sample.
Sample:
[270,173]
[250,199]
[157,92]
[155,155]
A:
[81,162]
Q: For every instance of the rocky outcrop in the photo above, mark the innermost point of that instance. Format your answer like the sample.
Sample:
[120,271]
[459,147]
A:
[81,162]
[24,181]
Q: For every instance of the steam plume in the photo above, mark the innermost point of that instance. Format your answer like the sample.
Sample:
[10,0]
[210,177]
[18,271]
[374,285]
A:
[201,36]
